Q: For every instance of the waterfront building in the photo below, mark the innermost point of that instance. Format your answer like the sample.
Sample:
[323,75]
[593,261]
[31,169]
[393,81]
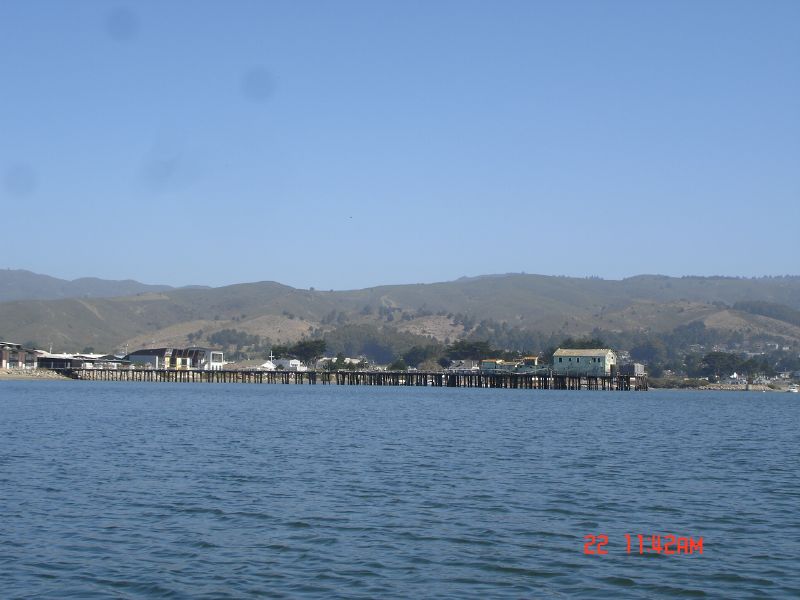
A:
[203,359]
[632,369]
[585,361]
[289,364]
[464,366]
[497,365]
[15,356]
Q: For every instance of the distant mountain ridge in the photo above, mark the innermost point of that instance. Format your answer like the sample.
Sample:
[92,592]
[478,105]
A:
[551,305]
[19,284]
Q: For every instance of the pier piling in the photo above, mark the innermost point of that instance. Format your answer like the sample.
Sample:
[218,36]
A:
[527,381]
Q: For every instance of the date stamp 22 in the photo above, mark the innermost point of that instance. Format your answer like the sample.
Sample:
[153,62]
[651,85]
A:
[645,544]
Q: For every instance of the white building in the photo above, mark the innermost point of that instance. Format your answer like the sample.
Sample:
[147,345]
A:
[289,364]
[585,361]
[326,361]
[466,365]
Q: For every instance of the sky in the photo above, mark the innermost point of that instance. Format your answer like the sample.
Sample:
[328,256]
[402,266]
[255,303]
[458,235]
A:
[348,144]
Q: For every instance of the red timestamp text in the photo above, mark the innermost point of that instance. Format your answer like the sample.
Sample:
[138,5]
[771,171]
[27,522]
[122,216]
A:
[645,544]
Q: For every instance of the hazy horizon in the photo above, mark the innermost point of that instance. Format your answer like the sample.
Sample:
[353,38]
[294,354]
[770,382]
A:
[455,278]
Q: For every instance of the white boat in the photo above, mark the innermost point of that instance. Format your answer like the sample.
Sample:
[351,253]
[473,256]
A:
[793,388]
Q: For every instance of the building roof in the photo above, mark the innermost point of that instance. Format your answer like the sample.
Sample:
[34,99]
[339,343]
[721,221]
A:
[14,346]
[151,352]
[582,352]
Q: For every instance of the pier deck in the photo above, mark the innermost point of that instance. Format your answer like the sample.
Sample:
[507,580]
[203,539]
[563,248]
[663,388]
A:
[528,381]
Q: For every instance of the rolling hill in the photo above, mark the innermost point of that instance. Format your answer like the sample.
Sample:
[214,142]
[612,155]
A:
[18,284]
[443,311]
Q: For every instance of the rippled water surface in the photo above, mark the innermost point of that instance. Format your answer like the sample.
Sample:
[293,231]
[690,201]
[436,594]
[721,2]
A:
[236,491]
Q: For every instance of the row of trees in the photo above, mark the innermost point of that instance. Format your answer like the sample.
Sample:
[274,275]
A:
[781,312]
[307,351]
[723,364]
[679,350]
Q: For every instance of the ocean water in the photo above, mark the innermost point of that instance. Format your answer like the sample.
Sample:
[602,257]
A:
[234,491]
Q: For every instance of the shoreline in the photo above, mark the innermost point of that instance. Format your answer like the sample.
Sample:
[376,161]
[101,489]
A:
[30,375]
[719,388]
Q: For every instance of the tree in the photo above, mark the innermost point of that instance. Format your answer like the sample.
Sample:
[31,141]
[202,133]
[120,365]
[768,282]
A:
[419,354]
[581,343]
[308,350]
[233,337]
[429,365]
[756,366]
[785,361]
[468,349]
[398,365]
[694,332]
[651,352]
[693,363]
[379,344]
[719,363]
[280,351]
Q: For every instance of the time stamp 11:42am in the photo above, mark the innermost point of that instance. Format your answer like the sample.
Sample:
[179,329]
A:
[645,544]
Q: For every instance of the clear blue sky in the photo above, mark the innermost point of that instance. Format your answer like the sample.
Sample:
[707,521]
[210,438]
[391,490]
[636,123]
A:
[348,144]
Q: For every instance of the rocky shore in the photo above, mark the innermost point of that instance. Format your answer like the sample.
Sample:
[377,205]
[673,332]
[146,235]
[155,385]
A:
[728,387]
[29,374]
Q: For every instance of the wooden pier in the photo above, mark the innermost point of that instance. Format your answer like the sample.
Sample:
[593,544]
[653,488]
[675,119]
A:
[527,381]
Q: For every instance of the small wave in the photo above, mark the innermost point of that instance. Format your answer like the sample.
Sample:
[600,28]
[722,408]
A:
[676,591]
[621,581]
[736,578]
[298,525]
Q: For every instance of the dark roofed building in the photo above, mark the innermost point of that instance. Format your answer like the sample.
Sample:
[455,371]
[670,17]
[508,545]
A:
[16,356]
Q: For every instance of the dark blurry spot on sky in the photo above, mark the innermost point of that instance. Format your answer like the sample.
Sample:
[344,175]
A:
[257,84]
[660,137]
[20,181]
[122,24]
[158,172]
